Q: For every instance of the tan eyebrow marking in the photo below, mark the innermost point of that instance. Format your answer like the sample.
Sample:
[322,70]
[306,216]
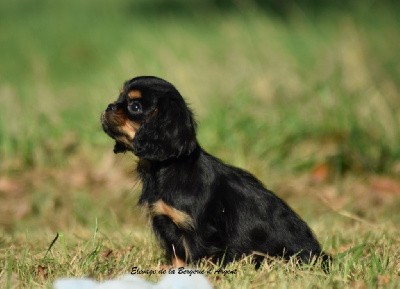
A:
[134,94]
[181,219]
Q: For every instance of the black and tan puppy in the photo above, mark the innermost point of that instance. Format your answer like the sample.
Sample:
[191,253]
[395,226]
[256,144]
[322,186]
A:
[200,207]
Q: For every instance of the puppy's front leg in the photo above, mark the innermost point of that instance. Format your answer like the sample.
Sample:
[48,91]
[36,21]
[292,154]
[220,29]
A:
[176,262]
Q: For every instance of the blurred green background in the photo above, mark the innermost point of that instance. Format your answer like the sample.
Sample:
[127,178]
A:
[304,94]
[262,76]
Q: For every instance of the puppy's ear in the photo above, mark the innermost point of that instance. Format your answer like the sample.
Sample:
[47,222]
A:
[169,133]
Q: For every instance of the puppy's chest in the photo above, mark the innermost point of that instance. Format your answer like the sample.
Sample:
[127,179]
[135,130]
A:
[179,217]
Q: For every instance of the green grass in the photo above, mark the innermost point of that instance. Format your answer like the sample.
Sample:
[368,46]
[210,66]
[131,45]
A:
[280,96]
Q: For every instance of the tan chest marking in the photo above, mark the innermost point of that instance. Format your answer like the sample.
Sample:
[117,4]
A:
[181,219]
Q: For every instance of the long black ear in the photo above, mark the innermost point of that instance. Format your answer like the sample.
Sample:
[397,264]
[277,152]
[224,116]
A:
[169,133]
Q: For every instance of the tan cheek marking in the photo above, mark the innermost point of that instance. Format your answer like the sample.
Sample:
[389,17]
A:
[130,129]
[181,219]
[134,94]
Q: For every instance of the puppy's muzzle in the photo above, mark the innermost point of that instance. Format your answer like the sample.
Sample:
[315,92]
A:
[118,126]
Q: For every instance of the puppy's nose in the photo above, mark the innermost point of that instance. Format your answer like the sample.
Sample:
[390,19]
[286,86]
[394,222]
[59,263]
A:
[111,107]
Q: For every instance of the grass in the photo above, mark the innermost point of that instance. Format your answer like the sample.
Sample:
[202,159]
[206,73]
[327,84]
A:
[308,102]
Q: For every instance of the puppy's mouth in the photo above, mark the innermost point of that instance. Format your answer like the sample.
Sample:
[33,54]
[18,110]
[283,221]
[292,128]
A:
[120,128]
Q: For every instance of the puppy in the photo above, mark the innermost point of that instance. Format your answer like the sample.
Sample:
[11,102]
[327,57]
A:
[200,207]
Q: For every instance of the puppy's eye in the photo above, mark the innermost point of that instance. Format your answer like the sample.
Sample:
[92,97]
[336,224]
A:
[135,107]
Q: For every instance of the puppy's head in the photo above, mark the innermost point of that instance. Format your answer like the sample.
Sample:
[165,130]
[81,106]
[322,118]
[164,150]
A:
[151,119]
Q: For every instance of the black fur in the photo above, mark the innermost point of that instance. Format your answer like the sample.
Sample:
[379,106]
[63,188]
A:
[233,213]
